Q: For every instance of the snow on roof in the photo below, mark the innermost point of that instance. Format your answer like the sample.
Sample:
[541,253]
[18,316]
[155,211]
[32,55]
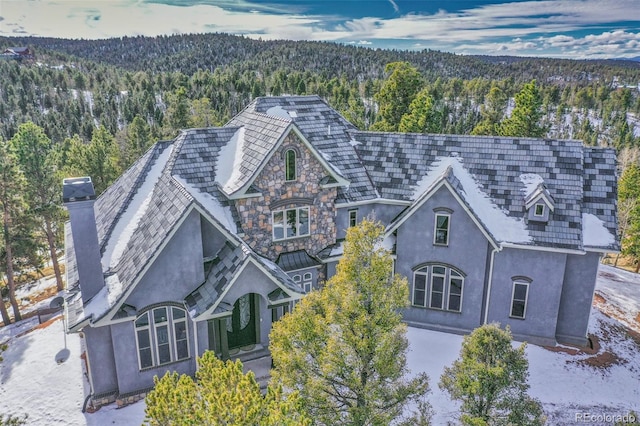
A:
[531,182]
[230,160]
[104,299]
[211,204]
[278,111]
[497,221]
[337,250]
[130,218]
[595,233]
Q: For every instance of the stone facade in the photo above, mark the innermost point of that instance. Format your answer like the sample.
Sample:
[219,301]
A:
[278,194]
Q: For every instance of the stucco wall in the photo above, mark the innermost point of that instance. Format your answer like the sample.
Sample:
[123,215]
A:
[101,359]
[130,378]
[546,271]
[577,296]
[381,212]
[255,212]
[466,251]
[177,270]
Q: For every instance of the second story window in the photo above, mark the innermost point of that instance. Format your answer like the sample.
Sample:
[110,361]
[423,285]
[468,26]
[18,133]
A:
[441,229]
[290,165]
[290,223]
[353,217]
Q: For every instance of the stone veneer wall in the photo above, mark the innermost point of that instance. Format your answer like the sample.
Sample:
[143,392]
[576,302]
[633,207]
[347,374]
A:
[255,212]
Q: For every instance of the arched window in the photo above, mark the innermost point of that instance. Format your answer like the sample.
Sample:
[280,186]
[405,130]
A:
[161,336]
[290,165]
[438,287]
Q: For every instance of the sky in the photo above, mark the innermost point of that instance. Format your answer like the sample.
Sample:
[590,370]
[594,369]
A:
[577,29]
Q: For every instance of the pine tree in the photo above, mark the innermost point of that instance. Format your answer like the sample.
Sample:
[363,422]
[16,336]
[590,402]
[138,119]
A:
[423,116]
[344,346]
[36,158]
[492,112]
[396,94]
[490,379]
[629,212]
[526,116]
[222,394]
[12,204]
[138,140]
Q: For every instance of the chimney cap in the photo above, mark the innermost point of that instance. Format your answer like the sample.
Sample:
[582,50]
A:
[77,189]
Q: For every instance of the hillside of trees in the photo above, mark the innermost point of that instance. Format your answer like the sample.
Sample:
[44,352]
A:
[93,107]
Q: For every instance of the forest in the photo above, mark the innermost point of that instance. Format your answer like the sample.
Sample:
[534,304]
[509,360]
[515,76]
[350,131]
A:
[92,107]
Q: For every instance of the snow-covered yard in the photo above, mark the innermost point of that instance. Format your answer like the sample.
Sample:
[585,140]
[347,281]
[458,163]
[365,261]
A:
[567,383]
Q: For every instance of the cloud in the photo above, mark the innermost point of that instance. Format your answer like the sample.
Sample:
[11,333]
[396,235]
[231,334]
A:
[529,27]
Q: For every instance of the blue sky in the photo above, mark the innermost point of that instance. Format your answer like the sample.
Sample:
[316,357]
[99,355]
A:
[581,29]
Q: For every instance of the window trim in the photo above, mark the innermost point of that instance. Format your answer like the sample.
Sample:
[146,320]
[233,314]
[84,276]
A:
[450,273]
[288,166]
[284,223]
[435,229]
[535,210]
[353,217]
[151,329]
[526,299]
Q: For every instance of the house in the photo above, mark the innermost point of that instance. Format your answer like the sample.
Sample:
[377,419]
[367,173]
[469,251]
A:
[211,237]
[18,53]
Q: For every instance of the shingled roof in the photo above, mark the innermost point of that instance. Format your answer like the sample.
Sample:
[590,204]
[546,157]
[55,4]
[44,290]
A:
[397,162]
[208,167]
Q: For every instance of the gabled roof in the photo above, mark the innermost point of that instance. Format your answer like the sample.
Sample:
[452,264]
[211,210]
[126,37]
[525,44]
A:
[327,131]
[398,162]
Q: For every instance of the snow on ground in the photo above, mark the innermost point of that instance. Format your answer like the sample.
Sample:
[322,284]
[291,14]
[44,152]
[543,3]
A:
[567,383]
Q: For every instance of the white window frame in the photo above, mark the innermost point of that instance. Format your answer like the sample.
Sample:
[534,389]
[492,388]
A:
[428,275]
[307,282]
[513,299]
[152,330]
[435,229]
[286,165]
[353,217]
[444,286]
[535,210]
[284,225]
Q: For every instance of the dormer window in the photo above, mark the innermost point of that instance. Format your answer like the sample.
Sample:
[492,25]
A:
[539,204]
[290,165]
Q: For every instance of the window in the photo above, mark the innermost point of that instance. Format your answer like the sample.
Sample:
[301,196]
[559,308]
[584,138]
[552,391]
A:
[278,312]
[441,232]
[353,218]
[444,290]
[519,299]
[290,223]
[290,165]
[304,281]
[539,210]
[161,336]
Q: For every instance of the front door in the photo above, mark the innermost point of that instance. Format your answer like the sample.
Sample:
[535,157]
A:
[241,331]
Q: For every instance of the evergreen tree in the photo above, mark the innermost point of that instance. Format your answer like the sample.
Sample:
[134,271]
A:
[396,94]
[98,159]
[344,346]
[492,112]
[222,394]
[629,212]
[13,206]
[526,116]
[36,158]
[178,111]
[423,116]
[490,379]
[138,140]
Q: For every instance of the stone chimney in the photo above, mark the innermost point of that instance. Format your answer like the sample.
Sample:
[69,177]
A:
[79,196]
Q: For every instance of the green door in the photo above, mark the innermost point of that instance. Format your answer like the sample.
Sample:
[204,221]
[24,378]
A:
[242,330]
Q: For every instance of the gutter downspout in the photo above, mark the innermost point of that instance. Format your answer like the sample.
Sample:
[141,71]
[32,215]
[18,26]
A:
[195,342]
[486,307]
[89,378]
